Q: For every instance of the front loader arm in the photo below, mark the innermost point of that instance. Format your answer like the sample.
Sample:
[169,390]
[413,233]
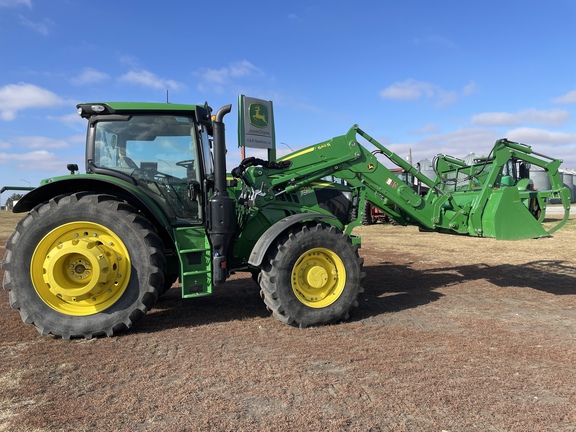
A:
[485,206]
[345,158]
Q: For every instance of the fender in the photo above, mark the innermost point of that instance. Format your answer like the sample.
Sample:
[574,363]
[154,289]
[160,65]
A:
[98,184]
[264,242]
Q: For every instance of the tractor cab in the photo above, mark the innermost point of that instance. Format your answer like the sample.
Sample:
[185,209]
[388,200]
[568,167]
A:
[167,155]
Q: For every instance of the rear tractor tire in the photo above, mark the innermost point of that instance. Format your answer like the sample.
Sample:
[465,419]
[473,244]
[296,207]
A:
[311,275]
[83,265]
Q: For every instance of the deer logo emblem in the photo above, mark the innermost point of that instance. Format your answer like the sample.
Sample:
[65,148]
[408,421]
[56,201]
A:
[258,115]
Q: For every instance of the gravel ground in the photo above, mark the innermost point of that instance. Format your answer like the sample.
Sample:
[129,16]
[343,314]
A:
[452,334]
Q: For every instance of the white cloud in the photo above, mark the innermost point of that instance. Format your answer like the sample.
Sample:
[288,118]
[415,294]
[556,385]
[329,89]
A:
[15,3]
[4,145]
[130,61]
[408,90]
[480,141]
[39,142]
[560,145]
[445,98]
[89,76]
[541,136]
[72,120]
[461,142]
[148,79]
[42,27]
[40,159]
[469,89]
[225,74]
[411,89]
[78,139]
[458,143]
[568,98]
[217,79]
[428,128]
[17,97]
[550,117]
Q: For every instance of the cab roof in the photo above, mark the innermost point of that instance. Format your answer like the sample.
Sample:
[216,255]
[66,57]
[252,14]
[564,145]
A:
[87,110]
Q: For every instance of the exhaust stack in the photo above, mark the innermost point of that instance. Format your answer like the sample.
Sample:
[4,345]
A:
[221,207]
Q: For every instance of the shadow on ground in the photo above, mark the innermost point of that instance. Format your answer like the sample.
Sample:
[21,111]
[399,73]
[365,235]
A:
[389,287]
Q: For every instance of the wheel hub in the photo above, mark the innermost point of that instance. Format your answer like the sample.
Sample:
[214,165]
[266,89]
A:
[79,269]
[318,278]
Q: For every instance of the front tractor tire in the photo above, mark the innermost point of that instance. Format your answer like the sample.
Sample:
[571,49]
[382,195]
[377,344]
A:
[311,275]
[83,265]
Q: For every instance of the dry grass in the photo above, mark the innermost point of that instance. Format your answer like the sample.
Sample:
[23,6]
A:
[434,246]
[452,333]
[8,221]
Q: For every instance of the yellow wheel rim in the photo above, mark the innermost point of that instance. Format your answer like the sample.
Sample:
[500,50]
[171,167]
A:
[318,278]
[80,268]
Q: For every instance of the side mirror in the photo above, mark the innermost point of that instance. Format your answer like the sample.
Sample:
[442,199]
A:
[204,117]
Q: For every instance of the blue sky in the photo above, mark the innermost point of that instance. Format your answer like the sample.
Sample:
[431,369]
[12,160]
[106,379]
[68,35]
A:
[422,76]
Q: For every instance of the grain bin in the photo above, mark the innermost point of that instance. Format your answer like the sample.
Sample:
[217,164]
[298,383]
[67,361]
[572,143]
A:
[574,186]
[426,169]
[568,181]
[470,158]
[540,178]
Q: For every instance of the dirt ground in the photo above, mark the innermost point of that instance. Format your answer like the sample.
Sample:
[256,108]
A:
[452,334]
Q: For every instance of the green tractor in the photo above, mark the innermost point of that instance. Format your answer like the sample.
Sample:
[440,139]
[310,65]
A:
[96,250]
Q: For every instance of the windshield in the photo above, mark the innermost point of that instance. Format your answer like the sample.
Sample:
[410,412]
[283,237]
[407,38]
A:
[159,151]
[146,143]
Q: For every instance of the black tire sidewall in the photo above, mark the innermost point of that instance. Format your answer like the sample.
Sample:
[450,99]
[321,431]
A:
[128,226]
[299,243]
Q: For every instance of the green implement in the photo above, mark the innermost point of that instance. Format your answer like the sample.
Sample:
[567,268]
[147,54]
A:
[156,205]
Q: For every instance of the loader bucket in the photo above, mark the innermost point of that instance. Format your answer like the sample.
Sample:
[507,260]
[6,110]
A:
[505,217]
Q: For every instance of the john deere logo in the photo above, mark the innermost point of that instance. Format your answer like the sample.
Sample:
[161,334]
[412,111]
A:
[258,115]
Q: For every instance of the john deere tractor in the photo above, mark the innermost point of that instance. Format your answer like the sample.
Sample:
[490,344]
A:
[96,250]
